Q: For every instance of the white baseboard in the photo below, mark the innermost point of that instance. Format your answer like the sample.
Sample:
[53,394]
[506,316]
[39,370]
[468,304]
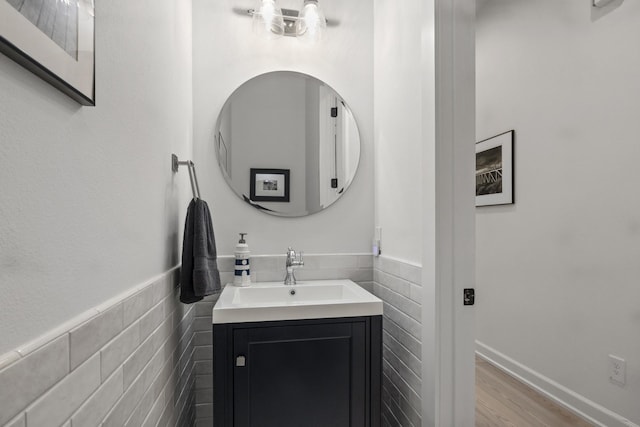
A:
[574,402]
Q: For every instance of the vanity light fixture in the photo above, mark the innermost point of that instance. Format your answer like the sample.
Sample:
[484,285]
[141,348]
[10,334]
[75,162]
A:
[308,24]
[311,23]
[267,19]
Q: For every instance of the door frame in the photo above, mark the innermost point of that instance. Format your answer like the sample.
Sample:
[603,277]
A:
[448,257]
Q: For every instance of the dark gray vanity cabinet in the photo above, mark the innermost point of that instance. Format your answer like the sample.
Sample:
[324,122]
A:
[312,373]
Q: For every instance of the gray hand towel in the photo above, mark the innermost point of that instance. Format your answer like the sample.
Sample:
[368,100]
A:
[199,275]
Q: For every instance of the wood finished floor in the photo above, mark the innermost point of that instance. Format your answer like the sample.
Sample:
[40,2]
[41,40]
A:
[503,401]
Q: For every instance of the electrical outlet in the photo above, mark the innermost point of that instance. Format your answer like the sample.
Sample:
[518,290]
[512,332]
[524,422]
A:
[377,242]
[617,370]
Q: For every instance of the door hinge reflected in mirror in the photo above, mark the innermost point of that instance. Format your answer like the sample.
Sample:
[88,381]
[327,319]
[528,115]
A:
[334,111]
[469,296]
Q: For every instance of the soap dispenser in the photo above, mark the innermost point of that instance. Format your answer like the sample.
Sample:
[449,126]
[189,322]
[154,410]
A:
[242,274]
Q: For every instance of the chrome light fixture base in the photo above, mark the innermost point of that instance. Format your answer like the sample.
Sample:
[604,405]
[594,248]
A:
[289,16]
[308,24]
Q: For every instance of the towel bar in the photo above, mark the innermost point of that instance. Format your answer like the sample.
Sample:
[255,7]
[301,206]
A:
[175,164]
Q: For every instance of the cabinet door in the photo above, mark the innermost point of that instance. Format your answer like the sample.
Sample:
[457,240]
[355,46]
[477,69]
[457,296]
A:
[300,375]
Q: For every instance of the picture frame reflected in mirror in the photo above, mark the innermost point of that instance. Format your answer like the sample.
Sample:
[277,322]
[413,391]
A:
[269,185]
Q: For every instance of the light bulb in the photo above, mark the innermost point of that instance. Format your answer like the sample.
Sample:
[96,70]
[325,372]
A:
[267,19]
[311,23]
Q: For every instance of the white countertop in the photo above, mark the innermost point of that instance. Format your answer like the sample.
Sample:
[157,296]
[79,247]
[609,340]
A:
[310,299]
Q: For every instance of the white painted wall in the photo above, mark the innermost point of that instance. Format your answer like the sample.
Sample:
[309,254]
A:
[397,128]
[558,271]
[89,206]
[226,54]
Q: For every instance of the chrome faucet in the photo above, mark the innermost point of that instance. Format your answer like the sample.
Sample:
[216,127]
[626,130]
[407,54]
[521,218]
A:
[293,260]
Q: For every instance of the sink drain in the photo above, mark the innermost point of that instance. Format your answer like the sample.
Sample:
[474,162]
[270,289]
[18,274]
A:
[292,292]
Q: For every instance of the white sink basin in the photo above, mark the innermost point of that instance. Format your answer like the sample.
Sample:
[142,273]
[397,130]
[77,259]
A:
[313,299]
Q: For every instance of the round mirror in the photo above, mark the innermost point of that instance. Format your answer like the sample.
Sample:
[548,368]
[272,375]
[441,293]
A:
[287,144]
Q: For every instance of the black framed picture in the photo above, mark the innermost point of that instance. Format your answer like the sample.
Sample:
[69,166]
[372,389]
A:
[269,185]
[54,39]
[494,170]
